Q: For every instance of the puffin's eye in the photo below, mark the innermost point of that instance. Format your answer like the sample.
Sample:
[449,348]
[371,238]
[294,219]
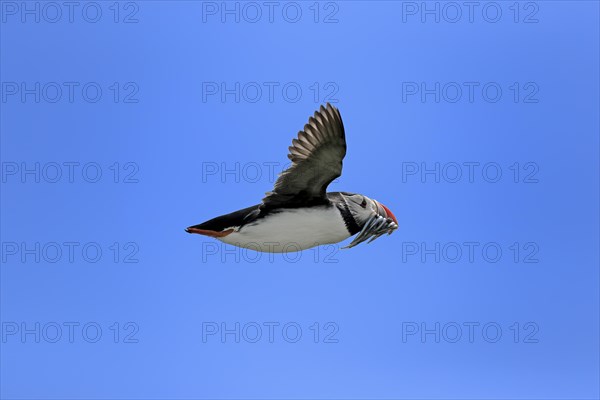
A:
[364,203]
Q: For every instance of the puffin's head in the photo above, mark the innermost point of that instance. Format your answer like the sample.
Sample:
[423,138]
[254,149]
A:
[373,218]
[363,208]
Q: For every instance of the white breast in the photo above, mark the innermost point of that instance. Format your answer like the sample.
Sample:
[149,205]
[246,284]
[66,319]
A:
[291,229]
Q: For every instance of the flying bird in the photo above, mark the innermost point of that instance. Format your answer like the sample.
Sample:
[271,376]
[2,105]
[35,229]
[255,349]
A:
[299,213]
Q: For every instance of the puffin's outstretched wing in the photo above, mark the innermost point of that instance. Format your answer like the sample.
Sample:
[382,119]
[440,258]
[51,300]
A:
[316,156]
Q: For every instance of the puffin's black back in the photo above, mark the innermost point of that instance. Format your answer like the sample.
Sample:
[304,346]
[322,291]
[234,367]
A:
[236,218]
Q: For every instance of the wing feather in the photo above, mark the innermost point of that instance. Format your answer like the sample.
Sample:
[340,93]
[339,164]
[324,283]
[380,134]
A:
[316,156]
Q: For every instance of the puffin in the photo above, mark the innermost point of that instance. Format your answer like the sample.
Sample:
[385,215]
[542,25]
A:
[299,213]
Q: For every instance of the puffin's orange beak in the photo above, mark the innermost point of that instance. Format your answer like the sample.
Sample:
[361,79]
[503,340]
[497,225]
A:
[389,213]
